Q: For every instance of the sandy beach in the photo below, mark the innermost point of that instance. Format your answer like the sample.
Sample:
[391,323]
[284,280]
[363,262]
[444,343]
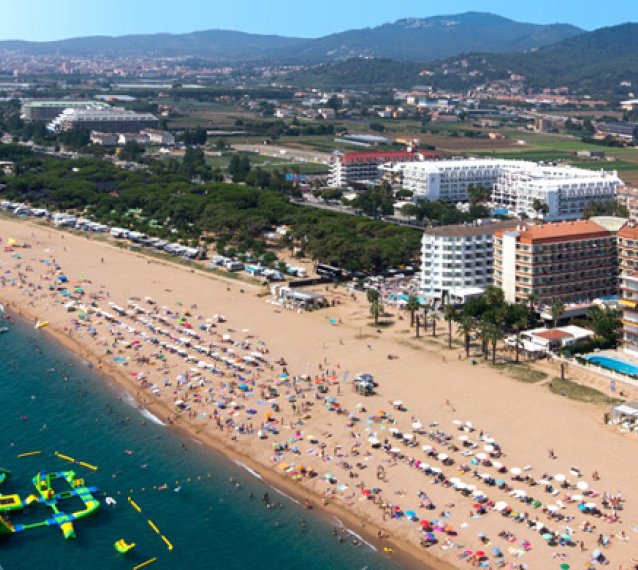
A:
[449,463]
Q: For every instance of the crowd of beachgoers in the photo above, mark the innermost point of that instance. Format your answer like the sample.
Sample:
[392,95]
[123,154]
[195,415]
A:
[448,486]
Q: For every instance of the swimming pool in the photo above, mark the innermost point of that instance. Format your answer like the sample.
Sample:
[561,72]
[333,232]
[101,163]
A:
[621,366]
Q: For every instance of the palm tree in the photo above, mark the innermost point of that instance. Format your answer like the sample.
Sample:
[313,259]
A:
[376,310]
[418,326]
[484,333]
[494,334]
[425,309]
[412,305]
[449,314]
[435,317]
[557,310]
[519,326]
[466,325]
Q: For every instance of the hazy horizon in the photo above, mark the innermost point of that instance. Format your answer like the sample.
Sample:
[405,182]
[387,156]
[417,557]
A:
[41,20]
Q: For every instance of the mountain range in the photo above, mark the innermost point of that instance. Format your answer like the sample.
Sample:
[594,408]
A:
[603,62]
[412,39]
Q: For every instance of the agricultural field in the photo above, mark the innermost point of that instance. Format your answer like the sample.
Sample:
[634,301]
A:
[447,138]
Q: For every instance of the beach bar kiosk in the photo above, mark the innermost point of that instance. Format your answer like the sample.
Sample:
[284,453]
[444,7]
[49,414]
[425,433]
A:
[299,297]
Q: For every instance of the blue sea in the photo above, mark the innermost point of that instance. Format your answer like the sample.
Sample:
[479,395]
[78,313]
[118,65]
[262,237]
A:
[52,401]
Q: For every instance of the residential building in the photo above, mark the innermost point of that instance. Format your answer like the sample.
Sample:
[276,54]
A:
[628,248]
[139,138]
[552,193]
[628,196]
[542,340]
[155,136]
[455,259]
[573,261]
[627,132]
[448,180]
[46,110]
[103,119]
[104,139]
[629,307]
[363,167]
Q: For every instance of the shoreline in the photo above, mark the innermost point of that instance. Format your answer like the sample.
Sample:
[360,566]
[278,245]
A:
[404,553]
[439,391]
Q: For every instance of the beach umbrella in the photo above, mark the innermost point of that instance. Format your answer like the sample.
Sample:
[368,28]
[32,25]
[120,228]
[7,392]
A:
[560,477]
[481,456]
[464,438]
[582,485]
[497,464]
[427,448]
[496,551]
[416,426]
[442,457]
[489,448]
[500,506]
[548,536]
[436,470]
[410,514]
[395,450]
[577,498]
[552,508]
[566,536]
[457,422]
[516,471]
[564,566]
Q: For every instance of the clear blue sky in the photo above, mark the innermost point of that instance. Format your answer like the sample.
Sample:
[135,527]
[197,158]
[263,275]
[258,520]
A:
[55,19]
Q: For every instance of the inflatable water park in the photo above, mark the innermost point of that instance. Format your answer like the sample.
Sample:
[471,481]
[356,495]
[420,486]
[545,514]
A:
[52,488]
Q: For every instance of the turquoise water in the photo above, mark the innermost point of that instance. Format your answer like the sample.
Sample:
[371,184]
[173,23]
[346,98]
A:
[403,297]
[613,364]
[52,401]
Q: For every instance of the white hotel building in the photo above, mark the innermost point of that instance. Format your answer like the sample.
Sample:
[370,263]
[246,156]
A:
[448,180]
[456,261]
[515,185]
[566,190]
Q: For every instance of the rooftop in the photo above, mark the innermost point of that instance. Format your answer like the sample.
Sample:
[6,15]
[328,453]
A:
[629,230]
[387,156]
[559,231]
[62,103]
[553,334]
[469,230]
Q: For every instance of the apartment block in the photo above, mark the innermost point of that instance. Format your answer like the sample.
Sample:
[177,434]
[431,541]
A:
[553,193]
[629,307]
[448,180]
[628,248]
[456,259]
[48,109]
[363,167]
[627,196]
[573,261]
[104,120]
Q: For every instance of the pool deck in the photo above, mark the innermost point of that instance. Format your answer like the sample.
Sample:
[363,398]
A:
[618,354]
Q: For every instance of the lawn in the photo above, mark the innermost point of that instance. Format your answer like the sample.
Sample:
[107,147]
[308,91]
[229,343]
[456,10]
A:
[580,393]
[521,372]
[267,163]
